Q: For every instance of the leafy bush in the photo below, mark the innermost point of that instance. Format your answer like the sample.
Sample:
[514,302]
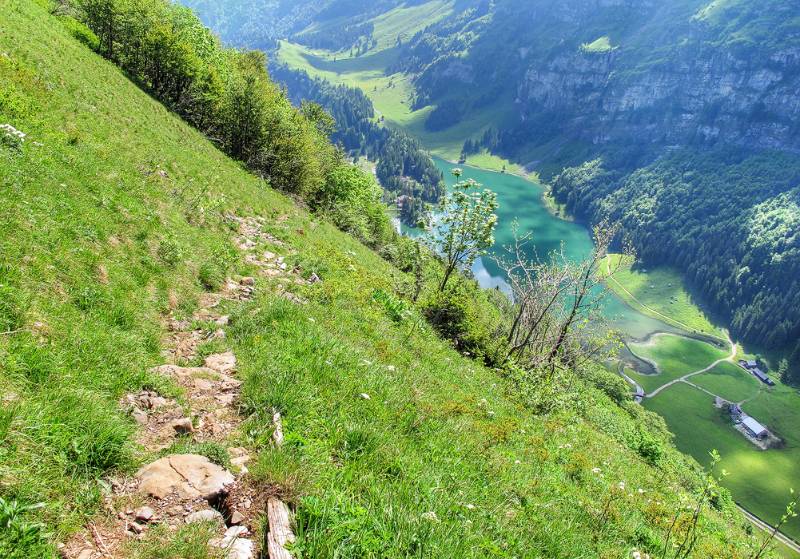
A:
[20,539]
[352,199]
[462,315]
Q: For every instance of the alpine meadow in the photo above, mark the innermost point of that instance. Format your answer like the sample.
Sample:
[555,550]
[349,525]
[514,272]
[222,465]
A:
[349,279]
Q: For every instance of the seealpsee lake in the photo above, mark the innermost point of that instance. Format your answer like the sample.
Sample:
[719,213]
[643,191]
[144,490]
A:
[521,200]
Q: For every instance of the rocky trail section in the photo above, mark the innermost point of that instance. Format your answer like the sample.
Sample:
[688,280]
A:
[179,489]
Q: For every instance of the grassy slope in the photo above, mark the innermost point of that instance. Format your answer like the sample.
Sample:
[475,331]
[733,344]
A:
[675,355]
[97,245]
[660,290]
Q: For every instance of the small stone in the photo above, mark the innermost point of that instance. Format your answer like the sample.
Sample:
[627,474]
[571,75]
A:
[86,554]
[139,416]
[247,503]
[121,515]
[145,514]
[248,281]
[314,278]
[221,362]
[237,518]
[135,527]
[207,515]
[177,510]
[364,396]
[183,426]
[223,320]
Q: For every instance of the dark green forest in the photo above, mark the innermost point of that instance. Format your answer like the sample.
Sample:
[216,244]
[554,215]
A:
[403,168]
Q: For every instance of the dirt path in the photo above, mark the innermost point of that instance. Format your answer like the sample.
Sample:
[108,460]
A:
[180,488]
[730,358]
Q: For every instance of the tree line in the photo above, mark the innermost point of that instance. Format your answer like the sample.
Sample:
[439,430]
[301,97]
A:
[730,219]
[403,168]
[229,96]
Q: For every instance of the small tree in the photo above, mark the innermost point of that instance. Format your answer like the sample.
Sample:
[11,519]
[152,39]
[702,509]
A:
[555,301]
[465,229]
[790,513]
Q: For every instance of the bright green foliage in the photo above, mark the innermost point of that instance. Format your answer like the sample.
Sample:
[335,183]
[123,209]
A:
[103,237]
[352,199]
[19,539]
[465,229]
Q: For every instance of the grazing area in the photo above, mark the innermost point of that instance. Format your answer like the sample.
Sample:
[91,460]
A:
[674,357]
[729,381]
[759,479]
[193,362]
[392,95]
[659,293]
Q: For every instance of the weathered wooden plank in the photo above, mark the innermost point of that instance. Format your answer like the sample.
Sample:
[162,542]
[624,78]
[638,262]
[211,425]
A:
[277,435]
[280,529]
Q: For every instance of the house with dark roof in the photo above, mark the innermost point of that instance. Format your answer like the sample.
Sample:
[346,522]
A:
[762,376]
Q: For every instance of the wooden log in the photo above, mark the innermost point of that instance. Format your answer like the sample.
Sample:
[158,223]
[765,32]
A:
[280,529]
[277,434]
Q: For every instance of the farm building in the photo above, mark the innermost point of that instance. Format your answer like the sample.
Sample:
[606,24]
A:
[762,376]
[752,367]
[755,428]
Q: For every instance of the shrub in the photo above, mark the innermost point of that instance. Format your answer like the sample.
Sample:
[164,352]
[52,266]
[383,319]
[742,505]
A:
[20,539]
[462,315]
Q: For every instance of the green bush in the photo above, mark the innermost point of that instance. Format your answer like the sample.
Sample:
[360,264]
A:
[20,539]
[463,315]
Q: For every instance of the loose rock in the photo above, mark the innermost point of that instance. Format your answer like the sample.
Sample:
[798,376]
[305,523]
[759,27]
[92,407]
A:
[144,514]
[207,515]
[183,426]
[189,475]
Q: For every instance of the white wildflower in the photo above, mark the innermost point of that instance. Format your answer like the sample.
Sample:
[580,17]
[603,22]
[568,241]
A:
[596,470]
[430,516]
[621,486]
[470,506]
[364,396]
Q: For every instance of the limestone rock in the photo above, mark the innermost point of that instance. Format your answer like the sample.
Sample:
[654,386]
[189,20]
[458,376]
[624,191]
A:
[237,518]
[189,475]
[221,362]
[206,515]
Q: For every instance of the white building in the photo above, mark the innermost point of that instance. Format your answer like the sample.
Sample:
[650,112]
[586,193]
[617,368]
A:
[755,428]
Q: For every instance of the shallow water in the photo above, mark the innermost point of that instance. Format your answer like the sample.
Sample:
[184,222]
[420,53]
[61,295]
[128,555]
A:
[522,200]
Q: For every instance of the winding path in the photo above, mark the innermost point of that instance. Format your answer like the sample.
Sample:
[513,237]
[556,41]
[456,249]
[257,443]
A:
[785,540]
[730,358]
[668,319]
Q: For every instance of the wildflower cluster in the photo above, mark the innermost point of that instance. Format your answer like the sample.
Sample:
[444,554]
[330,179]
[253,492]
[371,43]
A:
[11,137]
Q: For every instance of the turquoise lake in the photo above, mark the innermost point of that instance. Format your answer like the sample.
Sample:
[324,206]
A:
[522,200]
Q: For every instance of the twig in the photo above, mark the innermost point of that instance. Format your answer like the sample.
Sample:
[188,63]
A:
[98,540]
[9,332]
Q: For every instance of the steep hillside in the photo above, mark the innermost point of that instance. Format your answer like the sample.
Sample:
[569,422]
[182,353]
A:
[555,84]
[141,264]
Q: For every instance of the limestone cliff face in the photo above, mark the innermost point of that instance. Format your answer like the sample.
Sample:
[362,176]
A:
[693,93]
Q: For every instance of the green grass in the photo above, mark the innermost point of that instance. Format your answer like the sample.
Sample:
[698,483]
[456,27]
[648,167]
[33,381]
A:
[659,293]
[760,480]
[675,356]
[103,236]
[393,96]
[729,381]
[599,45]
